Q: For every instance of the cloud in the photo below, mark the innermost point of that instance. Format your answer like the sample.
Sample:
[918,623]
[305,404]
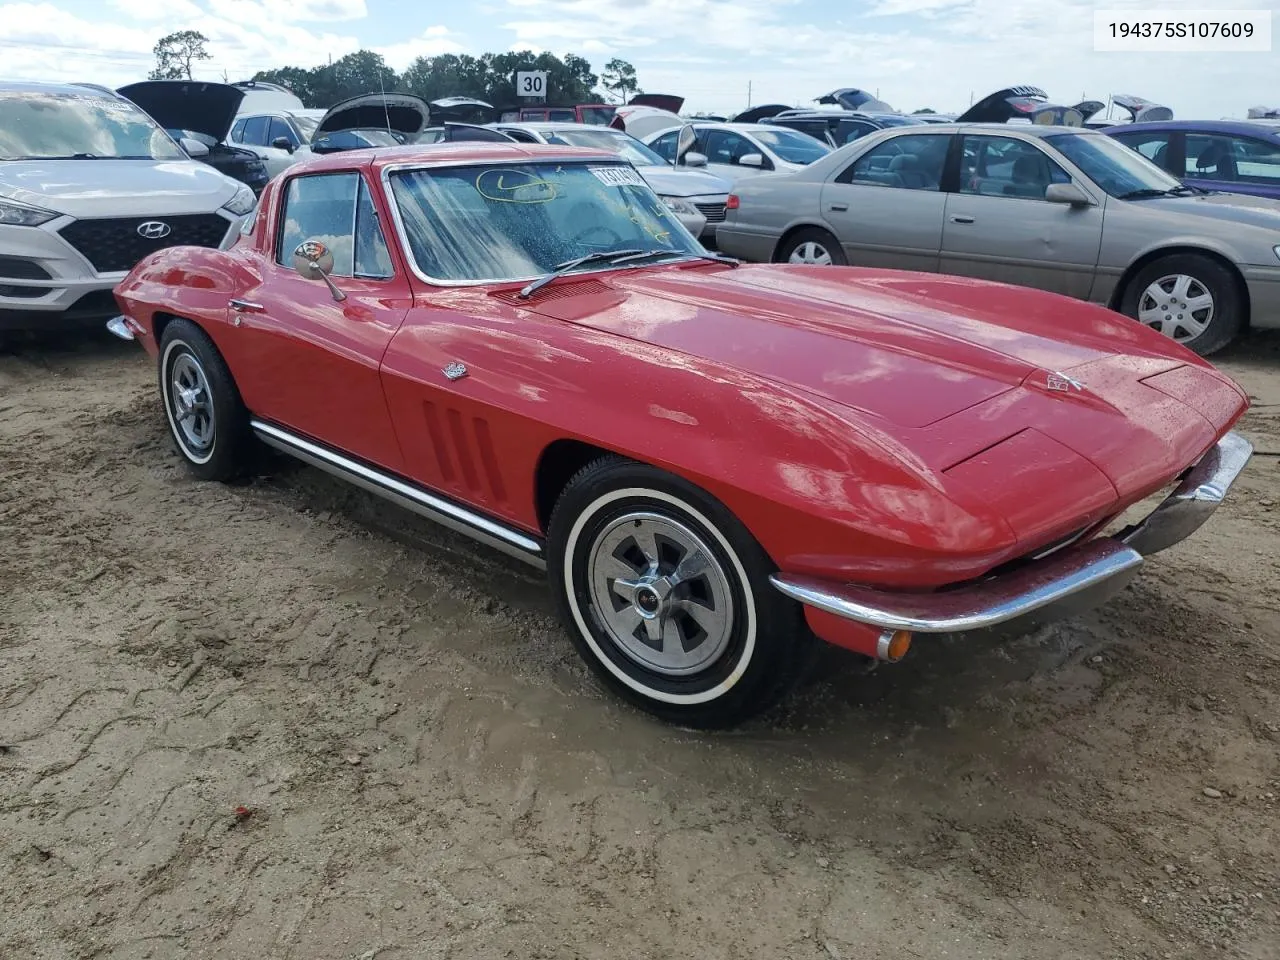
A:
[432,42]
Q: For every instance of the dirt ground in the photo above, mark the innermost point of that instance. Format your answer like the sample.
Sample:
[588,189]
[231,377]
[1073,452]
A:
[424,770]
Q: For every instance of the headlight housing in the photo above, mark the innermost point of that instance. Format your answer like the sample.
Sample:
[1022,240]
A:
[682,207]
[13,214]
[243,202]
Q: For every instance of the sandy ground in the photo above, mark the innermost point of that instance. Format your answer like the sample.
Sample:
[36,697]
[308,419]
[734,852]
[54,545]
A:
[426,771]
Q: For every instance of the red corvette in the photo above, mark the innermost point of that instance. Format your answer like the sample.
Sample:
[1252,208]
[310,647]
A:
[715,462]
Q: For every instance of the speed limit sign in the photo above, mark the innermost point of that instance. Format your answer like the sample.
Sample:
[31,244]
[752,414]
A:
[531,83]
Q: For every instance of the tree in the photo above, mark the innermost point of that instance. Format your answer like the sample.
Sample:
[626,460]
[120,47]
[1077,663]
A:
[298,79]
[619,78]
[176,53]
[924,110]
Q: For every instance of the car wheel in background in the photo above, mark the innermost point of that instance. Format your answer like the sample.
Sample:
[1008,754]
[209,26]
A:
[1190,298]
[667,597]
[202,405]
[812,246]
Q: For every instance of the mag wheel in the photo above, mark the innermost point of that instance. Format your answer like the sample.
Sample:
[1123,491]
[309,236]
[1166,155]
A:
[667,597]
[813,247]
[206,417]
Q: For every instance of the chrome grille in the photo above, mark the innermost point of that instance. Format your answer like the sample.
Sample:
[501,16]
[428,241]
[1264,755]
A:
[714,212]
[114,244]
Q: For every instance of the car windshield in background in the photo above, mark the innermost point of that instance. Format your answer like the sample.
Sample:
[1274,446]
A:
[598,115]
[792,146]
[1113,166]
[520,221]
[42,125]
[892,120]
[627,147]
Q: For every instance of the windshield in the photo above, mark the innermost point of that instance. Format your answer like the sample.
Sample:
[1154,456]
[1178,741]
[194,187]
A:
[519,221]
[43,125]
[624,145]
[306,126]
[1111,165]
[598,115]
[893,120]
[792,146]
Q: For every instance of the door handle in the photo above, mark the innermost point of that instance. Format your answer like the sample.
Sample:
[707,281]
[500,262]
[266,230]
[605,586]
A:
[959,219]
[840,206]
[246,306]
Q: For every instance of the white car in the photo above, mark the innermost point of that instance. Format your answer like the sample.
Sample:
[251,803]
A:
[737,150]
[696,197]
[89,185]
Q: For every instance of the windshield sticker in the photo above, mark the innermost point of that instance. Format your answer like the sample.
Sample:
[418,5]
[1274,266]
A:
[515,186]
[617,176]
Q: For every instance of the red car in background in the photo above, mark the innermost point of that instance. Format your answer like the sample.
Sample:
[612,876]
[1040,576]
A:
[715,462]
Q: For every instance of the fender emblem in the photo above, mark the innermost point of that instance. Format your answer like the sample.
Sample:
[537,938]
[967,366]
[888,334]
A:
[1062,383]
[455,371]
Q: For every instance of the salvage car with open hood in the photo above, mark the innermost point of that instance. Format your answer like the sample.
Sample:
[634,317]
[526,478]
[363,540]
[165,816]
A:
[369,120]
[1023,103]
[192,110]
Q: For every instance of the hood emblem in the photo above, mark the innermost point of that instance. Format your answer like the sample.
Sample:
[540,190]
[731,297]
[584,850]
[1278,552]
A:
[455,371]
[1061,383]
[154,230]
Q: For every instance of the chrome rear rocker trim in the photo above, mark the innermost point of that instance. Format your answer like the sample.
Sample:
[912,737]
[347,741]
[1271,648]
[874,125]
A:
[409,496]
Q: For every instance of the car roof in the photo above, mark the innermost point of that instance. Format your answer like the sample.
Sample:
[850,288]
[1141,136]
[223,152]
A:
[1255,128]
[450,154]
[547,126]
[40,86]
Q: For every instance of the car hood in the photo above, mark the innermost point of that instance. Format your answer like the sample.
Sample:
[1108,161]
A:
[683,182]
[1222,207]
[1140,110]
[401,112]
[208,108]
[1021,102]
[112,188]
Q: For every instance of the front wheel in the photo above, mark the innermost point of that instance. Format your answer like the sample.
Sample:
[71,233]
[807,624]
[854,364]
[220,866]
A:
[667,597]
[1188,297]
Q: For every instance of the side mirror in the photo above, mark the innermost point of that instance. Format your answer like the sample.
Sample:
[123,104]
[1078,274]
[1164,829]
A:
[313,261]
[194,148]
[751,160]
[283,143]
[695,159]
[1067,193]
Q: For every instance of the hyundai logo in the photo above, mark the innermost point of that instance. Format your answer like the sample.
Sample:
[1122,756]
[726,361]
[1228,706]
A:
[154,230]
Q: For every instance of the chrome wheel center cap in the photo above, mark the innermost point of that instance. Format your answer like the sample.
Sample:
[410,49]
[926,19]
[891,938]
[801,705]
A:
[651,597]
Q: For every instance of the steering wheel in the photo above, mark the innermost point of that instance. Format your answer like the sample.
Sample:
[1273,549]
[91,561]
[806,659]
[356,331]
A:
[613,238]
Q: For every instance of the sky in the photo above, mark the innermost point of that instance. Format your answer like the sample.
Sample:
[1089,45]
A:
[720,54]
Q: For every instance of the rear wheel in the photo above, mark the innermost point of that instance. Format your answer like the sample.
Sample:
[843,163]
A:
[667,597]
[1190,298]
[202,405]
[813,246]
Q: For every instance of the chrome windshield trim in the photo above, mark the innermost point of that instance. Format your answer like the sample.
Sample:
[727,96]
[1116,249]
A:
[444,512]
[402,235]
[1104,565]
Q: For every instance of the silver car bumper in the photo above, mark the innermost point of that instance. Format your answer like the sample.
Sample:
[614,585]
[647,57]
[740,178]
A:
[1069,580]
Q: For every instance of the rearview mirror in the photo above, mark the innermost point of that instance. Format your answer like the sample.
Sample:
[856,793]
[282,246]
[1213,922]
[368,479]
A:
[283,143]
[695,159]
[313,261]
[194,148]
[751,160]
[1067,193]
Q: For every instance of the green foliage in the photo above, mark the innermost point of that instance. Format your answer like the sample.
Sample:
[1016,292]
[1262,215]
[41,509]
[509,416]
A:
[619,78]
[176,53]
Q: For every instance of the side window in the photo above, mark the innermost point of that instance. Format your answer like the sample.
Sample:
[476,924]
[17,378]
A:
[373,259]
[280,128]
[1005,167]
[237,131]
[848,131]
[1256,161]
[725,146]
[320,207]
[814,128]
[255,131]
[562,116]
[907,163]
[665,145]
[1153,146]
[522,136]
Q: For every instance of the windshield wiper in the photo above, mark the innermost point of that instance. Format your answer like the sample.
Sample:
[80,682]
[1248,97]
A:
[1143,193]
[561,269]
[714,257]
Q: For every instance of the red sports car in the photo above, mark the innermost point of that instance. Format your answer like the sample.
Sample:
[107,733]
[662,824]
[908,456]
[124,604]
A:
[715,462]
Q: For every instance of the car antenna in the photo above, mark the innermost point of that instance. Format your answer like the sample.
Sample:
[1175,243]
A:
[386,110]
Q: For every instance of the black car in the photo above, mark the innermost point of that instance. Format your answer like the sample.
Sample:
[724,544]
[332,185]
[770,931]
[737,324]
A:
[199,116]
[838,127]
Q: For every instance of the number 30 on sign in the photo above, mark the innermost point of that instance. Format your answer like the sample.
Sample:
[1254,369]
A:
[531,83]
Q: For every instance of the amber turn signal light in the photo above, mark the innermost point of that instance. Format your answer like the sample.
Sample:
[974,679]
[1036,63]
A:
[893,645]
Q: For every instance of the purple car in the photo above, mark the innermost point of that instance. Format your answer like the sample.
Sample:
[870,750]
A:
[1235,156]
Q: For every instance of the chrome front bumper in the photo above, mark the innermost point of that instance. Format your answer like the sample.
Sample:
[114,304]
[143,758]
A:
[1071,580]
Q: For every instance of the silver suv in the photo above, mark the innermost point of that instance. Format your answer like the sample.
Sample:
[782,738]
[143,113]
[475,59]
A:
[89,185]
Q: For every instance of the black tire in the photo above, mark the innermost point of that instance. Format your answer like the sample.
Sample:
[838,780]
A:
[187,351]
[1226,315]
[758,646]
[819,238]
